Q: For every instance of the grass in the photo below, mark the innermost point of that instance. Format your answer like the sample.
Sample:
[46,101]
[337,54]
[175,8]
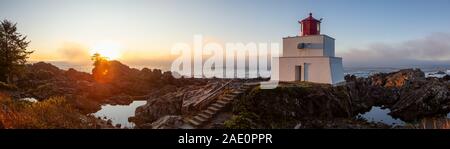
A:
[51,113]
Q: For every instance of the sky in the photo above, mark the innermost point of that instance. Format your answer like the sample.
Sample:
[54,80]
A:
[367,33]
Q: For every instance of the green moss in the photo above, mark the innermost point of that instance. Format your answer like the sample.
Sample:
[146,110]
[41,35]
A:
[341,92]
[243,120]
[274,108]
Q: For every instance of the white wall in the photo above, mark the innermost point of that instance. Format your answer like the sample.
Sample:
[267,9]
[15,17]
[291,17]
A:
[328,46]
[318,56]
[317,45]
[318,68]
[337,70]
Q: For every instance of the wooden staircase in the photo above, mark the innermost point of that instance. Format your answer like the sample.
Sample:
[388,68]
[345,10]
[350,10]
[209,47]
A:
[213,109]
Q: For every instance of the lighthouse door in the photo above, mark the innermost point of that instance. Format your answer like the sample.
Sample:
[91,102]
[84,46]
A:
[298,73]
[306,72]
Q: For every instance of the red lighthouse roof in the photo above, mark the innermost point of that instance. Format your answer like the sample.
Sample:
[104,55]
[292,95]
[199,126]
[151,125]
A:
[310,26]
[310,18]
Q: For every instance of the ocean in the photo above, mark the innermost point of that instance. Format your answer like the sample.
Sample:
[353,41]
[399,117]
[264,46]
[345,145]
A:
[119,113]
[430,71]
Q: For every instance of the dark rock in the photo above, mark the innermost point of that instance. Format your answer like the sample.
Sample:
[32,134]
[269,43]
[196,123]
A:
[350,78]
[407,93]
[78,76]
[42,66]
[446,78]
[171,100]
[284,106]
[169,104]
[441,72]
[339,123]
[422,98]
[167,122]
[397,79]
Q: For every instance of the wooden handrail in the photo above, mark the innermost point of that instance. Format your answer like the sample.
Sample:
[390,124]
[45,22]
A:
[212,95]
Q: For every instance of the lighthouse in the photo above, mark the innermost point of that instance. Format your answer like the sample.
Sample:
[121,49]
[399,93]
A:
[309,56]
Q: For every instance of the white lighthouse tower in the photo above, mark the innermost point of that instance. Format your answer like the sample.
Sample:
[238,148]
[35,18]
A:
[308,57]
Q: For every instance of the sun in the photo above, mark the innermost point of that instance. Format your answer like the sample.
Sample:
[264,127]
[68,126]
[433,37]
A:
[108,49]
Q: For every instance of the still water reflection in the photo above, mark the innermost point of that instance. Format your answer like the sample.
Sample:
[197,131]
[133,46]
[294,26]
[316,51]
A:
[119,114]
[377,114]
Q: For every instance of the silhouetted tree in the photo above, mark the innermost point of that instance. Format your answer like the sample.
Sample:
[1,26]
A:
[13,51]
[101,68]
[98,59]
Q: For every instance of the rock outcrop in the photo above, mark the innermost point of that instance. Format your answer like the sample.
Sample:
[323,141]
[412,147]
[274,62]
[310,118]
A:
[43,80]
[165,122]
[421,98]
[397,79]
[173,102]
[169,104]
[407,93]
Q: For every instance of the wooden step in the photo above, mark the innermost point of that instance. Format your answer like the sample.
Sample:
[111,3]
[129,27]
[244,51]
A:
[186,120]
[226,98]
[245,86]
[237,92]
[229,96]
[223,102]
[251,84]
[209,112]
[213,109]
[205,116]
[194,123]
[218,105]
[200,119]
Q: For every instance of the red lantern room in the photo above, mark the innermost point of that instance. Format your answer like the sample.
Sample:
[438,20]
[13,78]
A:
[310,26]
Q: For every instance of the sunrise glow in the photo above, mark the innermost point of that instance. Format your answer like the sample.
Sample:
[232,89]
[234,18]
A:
[110,50]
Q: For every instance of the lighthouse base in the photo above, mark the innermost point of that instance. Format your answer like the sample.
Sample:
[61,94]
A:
[318,69]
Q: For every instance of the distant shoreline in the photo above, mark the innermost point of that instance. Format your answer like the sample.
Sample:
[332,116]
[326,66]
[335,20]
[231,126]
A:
[359,71]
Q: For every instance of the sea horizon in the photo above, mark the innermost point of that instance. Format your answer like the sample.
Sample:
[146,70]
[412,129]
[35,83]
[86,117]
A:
[356,70]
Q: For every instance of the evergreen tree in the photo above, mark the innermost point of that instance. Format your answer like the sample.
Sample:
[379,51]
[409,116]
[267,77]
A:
[13,51]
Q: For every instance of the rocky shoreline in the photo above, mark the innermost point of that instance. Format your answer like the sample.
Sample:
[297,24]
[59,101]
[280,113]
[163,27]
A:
[408,94]
[42,81]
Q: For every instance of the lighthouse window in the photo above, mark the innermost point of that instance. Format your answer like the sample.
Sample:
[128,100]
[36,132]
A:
[302,28]
[318,27]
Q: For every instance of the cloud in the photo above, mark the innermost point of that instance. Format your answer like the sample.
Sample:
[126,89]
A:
[74,52]
[430,50]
